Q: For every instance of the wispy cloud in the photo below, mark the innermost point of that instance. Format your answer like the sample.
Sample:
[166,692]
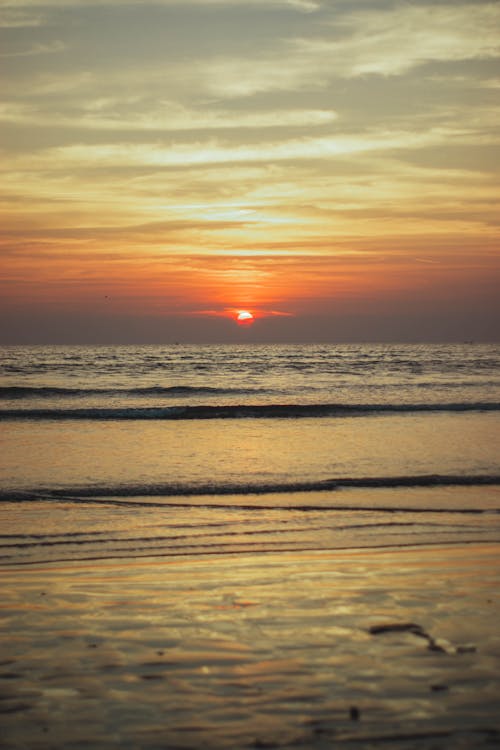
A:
[117,114]
[302,5]
[37,49]
[213,152]
[12,18]
[380,42]
[394,41]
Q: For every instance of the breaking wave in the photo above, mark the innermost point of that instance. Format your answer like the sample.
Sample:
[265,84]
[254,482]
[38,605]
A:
[174,489]
[29,392]
[240,411]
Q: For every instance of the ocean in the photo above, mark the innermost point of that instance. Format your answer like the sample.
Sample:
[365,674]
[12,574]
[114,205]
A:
[123,452]
[240,547]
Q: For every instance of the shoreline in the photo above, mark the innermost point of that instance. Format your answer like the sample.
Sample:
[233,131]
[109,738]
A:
[270,650]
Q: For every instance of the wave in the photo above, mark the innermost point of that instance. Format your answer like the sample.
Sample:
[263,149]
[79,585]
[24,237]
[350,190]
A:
[198,490]
[30,392]
[241,411]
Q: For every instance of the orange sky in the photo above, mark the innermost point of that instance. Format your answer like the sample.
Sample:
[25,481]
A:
[331,167]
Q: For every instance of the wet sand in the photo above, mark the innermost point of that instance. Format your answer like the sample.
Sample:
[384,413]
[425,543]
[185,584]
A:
[368,648]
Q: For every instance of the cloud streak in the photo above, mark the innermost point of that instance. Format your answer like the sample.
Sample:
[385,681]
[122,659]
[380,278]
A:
[384,42]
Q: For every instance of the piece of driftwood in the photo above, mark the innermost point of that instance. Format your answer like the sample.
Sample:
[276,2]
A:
[408,627]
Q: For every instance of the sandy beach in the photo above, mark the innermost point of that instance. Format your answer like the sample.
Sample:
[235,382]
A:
[364,648]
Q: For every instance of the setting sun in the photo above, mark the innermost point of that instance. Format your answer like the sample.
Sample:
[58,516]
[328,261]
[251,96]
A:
[244,318]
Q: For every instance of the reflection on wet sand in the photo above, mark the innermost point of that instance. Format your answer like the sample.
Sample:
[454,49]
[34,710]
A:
[288,650]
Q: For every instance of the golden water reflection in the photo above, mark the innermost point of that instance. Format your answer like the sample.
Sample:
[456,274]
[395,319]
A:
[230,653]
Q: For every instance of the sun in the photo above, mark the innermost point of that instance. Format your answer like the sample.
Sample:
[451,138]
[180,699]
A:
[244,318]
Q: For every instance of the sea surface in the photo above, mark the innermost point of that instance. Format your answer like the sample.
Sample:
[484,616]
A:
[123,452]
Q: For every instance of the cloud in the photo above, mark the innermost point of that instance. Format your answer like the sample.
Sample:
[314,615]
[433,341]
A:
[119,114]
[209,152]
[392,42]
[301,5]
[369,42]
[231,312]
[37,49]
[12,18]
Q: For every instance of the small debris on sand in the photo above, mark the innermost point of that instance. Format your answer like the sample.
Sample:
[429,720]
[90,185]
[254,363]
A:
[354,713]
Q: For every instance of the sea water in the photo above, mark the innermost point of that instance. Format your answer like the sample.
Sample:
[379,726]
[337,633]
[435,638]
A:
[140,451]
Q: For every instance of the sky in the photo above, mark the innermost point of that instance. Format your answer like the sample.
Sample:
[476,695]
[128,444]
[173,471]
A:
[330,166]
